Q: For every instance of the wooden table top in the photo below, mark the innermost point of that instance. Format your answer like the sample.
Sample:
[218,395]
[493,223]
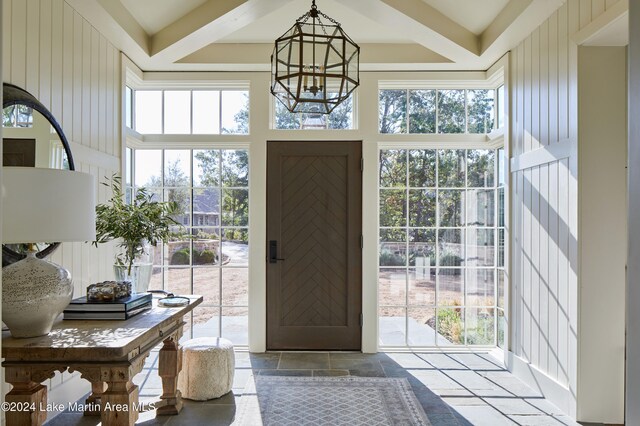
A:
[95,340]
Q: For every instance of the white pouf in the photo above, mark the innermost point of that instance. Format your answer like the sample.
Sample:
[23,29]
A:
[208,365]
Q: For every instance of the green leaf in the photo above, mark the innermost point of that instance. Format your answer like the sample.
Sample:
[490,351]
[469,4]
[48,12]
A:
[133,224]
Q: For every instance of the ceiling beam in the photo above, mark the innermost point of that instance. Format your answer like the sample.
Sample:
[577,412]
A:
[513,24]
[116,23]
[423,24]
[128,23]
[611,28]
[194,21]
[207,23]
[505,18]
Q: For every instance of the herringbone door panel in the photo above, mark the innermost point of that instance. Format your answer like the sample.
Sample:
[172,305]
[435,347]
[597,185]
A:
[314,265]
[314,241]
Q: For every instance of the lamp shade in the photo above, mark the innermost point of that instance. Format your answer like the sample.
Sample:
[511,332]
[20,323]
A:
[47,205]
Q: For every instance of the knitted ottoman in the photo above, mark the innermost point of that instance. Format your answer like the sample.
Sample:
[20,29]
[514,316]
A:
[207,368]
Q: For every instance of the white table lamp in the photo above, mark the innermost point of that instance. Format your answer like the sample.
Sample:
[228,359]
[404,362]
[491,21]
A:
[42,205]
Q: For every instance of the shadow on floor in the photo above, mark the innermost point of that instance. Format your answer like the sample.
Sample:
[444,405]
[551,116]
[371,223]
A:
[453,388]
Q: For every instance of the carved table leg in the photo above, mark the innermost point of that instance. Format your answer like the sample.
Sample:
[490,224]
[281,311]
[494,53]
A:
[120,402]
[95,399]
[28,398]
[169,366]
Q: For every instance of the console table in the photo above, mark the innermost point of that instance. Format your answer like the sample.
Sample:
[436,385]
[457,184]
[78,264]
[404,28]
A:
[106,353]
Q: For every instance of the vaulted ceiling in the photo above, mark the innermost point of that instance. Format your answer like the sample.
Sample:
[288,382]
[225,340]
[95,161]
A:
[223,35]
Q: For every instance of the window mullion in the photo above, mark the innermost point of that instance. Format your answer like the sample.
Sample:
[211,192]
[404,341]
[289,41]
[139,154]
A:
[133,109]
[220,268]
[162,120]
[406,262]
[466,111]
[220,114]
[437,248]
[437,112]
[464,235]
[408,116]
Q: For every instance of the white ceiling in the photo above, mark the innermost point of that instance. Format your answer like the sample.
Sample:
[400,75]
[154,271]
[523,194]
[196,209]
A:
[276,23]
[398,35]
[154,15]
[474,15]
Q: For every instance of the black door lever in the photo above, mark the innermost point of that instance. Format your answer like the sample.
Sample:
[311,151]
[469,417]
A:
[273,252]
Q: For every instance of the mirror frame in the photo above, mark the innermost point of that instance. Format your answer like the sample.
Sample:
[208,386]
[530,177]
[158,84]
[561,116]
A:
[14,95]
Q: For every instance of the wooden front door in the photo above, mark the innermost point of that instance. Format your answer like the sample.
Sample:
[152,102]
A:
[314,256]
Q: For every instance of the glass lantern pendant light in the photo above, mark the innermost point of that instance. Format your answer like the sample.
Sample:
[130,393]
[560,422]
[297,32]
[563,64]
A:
[314,65]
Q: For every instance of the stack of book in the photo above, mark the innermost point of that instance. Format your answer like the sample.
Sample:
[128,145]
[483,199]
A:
[119,309]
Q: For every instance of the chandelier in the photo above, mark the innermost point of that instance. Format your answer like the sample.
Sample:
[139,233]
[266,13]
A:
[314,65]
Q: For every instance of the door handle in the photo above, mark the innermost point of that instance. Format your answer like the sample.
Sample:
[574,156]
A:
[273,252]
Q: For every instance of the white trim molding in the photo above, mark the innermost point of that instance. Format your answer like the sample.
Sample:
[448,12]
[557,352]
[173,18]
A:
[545,155]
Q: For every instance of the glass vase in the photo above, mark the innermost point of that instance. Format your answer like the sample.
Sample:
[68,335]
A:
[140,275]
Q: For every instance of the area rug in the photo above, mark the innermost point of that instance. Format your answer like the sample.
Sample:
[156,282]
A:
[295,401]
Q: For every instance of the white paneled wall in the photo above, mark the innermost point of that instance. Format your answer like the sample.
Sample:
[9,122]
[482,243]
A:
[544,173]
[602,148]
[56,55]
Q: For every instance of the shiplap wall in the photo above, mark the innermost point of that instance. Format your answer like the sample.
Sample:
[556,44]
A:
[56,55]
[545,240]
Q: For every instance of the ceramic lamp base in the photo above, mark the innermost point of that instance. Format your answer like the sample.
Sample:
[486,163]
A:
[34,293]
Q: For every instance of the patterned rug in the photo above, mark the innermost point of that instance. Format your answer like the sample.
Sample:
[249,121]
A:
[296,401]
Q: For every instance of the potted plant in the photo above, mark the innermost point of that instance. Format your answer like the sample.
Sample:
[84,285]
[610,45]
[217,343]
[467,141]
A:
[138,225]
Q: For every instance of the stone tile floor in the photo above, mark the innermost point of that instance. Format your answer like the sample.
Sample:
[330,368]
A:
[453,388]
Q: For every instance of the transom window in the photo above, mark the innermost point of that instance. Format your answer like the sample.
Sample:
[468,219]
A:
[341,118]
[188,111]
[436,110]
[437,252]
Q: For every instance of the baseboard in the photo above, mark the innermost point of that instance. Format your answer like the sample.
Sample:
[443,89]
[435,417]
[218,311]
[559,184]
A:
[553,391]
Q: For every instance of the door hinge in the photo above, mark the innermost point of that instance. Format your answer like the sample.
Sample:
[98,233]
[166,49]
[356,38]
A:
[362,164]
[361,319]
[361,241]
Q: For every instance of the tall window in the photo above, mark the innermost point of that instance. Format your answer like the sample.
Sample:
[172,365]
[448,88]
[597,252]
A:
[436,111]
[211,257]
[437,264]
[501,323]
[191,111]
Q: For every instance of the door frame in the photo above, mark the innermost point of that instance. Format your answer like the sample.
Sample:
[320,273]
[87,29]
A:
[359,224]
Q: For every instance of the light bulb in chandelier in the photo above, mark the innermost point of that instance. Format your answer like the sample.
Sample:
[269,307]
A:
[317,79]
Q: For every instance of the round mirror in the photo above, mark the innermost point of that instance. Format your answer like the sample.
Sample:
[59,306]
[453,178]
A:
[31,137]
